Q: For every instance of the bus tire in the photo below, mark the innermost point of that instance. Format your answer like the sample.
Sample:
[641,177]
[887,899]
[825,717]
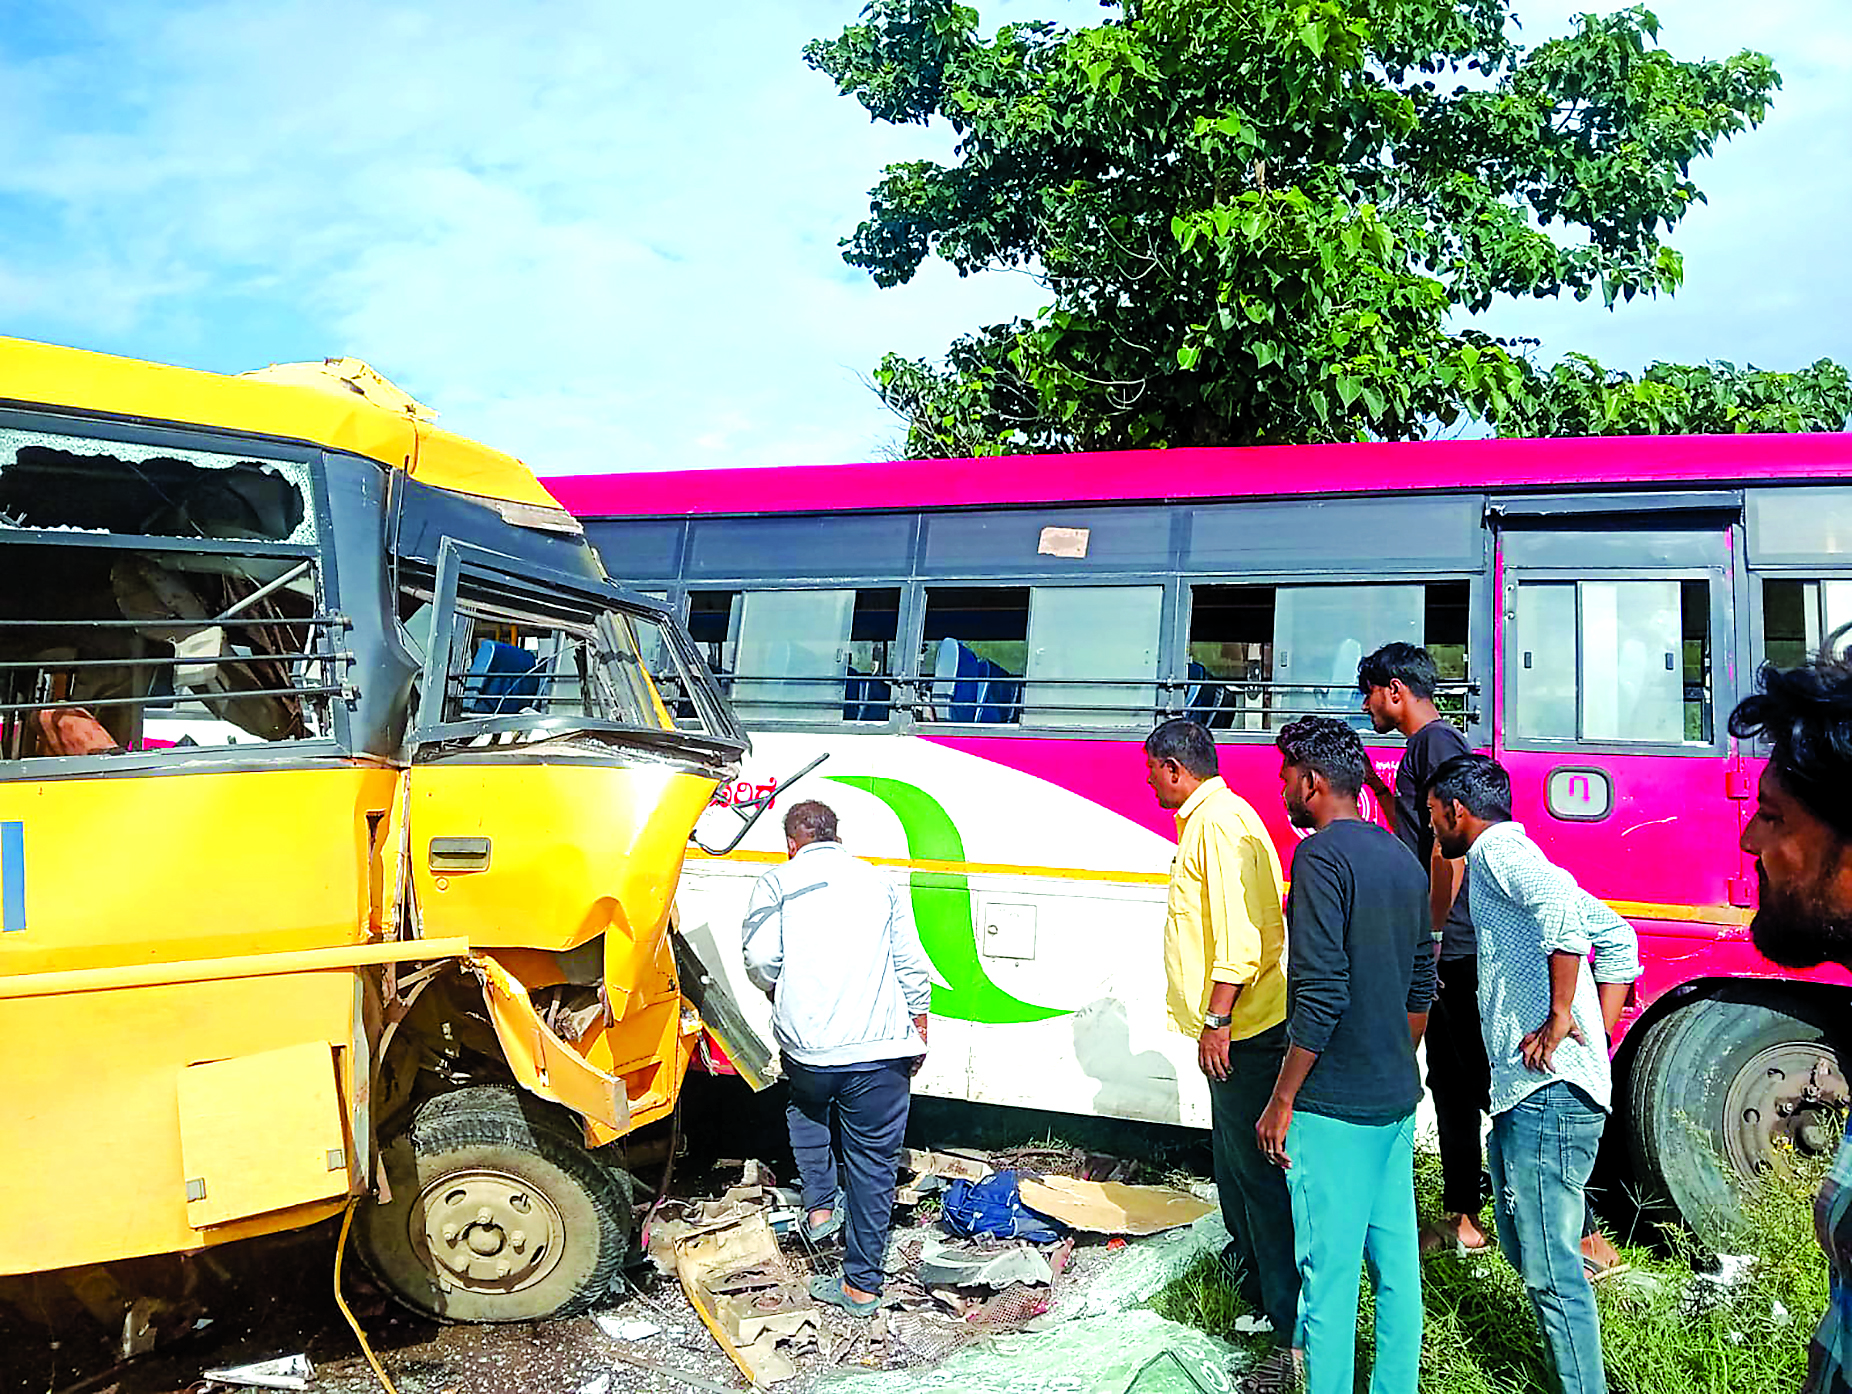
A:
[497,1213]
[1719,1091]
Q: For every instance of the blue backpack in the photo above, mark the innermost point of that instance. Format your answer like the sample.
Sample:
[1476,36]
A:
[994,1206]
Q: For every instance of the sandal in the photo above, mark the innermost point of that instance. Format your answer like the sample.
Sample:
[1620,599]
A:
[829,1290]
[1283,1372]
[1597,1270]
[816,1234]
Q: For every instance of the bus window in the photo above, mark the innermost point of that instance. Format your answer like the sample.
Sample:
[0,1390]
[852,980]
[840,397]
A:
[509,659]
[1083,641]
[802,655]
[1321,633]
[714,624]
[975,647]
[1231,656]
[868,694]
[1261,656]
[792,655]
[1610,661]
[1800,616]
[107,649]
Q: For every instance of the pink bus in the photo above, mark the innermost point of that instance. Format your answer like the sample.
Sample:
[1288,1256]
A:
[979,646]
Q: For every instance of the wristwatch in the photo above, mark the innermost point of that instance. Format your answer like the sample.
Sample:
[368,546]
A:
[1215,1021]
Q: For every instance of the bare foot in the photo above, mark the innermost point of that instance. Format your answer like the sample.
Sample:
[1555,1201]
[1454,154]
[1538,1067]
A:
[820,1217]
[1599,1255]
[1472,1236]
[857,1294]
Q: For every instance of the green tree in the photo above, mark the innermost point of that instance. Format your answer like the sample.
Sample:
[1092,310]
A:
[1257,219]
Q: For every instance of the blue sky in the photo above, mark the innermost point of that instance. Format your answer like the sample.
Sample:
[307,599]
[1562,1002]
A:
[603,235]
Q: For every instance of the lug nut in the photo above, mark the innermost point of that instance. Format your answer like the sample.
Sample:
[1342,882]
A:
[450,1234]
[518,1239]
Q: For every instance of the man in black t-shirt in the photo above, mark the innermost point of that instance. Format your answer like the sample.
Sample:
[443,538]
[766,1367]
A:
[1397,683]
[1341,1120]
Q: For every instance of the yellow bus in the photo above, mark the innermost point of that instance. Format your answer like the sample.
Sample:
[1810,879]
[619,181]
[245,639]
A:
[340,821]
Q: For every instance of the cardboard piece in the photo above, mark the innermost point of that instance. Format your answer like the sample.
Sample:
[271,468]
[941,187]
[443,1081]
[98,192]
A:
[944,1164]
[1111,1207]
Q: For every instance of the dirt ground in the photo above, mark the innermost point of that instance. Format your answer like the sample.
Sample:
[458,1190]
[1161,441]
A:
[275,1295]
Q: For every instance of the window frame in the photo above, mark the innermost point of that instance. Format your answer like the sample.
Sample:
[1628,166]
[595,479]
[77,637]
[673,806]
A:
[918,682]
[328,628]
[1757,611]
[1479,639]
[511,580]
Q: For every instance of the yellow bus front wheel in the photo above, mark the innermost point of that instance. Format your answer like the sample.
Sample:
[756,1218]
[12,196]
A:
[498,1213]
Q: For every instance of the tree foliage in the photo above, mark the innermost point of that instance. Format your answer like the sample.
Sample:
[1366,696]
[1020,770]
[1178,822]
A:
[1257,219]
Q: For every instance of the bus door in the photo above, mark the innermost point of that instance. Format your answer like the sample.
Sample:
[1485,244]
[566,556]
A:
[551,797]
[1616,631]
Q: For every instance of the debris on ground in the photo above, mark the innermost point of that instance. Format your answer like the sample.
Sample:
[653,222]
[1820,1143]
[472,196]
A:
[1111,1207]
[283,1372]
[627,1328]
[1012,1248]
[727,1273]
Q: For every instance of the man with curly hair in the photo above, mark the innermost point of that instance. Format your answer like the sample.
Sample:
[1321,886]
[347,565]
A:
[1341,1121]
[1801,838]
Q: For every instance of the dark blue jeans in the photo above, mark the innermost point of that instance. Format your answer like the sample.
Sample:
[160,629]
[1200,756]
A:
[1255,1206]
[865,1106]
[1542,1150]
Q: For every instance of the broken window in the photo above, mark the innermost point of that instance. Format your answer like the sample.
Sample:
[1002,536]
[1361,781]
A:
[113,648]
[561,664]
[65,483]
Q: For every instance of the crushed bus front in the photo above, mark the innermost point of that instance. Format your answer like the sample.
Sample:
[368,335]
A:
[342,804]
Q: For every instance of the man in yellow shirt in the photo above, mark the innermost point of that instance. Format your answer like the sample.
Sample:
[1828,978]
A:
[1225,962]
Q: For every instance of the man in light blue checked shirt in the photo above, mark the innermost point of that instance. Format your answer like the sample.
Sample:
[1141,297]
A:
[1547,1020]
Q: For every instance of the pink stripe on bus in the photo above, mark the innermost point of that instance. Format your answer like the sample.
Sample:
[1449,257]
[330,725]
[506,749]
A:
[1125,475]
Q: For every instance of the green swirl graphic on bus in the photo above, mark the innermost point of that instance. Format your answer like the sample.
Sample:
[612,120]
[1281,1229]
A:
[942,909]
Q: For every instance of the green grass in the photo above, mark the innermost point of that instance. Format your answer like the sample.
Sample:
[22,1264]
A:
[1480,1336]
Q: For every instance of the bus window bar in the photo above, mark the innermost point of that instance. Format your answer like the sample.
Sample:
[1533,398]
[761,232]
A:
[268,588]
[1142,680]
[169,699]
[61,664]
[338,621]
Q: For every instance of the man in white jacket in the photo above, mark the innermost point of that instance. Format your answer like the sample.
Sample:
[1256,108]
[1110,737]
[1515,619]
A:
[832,941]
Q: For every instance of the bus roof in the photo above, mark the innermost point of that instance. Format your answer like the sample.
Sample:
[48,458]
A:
[1211,472]
[295,403]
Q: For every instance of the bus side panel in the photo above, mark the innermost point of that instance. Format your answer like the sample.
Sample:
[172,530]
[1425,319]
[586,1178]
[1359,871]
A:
[1041,909]
[96,1130]
[173,866]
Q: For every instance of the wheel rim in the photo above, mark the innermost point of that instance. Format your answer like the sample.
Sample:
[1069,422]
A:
[487,1231]
[1787,1099]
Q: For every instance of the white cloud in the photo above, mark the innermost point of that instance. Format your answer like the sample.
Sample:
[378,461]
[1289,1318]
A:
[604,237]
